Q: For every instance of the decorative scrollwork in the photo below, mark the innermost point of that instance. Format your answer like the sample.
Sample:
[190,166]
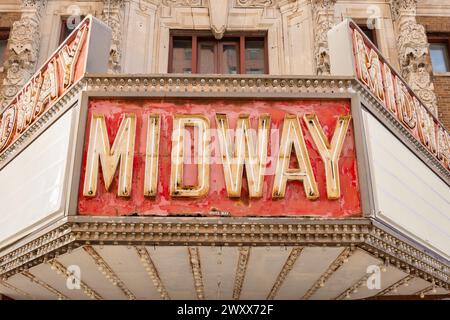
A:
[413,51]
[112,15]
[23,49]
[322,21]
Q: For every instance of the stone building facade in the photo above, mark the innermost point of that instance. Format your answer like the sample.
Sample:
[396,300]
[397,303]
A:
[295,35]
[366,214]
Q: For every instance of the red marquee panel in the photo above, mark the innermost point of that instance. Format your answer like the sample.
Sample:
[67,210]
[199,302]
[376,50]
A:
[295,203]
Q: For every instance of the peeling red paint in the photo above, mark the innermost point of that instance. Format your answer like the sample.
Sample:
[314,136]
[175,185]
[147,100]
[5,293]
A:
[107,203]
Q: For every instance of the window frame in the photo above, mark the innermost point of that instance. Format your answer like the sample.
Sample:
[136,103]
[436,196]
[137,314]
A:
[220,44]
[440,38]
[198,56]
[238,38]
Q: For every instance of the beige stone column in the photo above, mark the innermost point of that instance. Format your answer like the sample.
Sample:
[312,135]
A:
[23,49]
[322,14]
[412,46]
[113,15]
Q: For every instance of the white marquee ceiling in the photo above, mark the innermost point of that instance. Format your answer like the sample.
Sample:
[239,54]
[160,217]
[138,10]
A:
[177,272]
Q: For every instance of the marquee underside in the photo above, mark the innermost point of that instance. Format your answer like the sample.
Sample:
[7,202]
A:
[209,272]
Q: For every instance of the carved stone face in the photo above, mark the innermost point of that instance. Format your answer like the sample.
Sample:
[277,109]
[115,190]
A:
[14,67]
[114,54]
[416,56]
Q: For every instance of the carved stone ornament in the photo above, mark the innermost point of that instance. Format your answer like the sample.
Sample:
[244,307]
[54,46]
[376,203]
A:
[401,7]
[112,15]
[254,3]
[218,17]
[183,3]
[413,51]
[322,11]
[413,46]
[23,49]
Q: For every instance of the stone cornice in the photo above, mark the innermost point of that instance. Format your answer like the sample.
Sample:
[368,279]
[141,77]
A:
[175,83]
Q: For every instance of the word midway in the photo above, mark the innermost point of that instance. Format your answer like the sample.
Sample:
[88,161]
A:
[240,148]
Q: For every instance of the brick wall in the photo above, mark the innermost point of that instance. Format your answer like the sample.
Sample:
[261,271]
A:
[441,83]
[6,21]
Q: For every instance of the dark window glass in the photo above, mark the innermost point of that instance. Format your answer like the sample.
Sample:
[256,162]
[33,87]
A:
[439,57]
[4,35]
[236,54]
[230,62]
[254,56]
[370,33]
[182,56]
[3,44]
[207,57]
[67,26]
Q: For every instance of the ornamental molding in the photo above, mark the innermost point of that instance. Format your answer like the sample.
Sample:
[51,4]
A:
[322,12]
[387,118]
[254,3]
[151,270]
[402,7]
[33,4]
[318,5]
[60,269]
[45,285]
[413,51]
[218,17]
[184,3]
[241,270]
[414,62]
[332,268]
[23,49]
[108,272]
[167,85]
[287,267]
[235,3]
[354,288]
[15,289]
[194,260]
[85,232]
[393,287]
[113,15]
[46,119]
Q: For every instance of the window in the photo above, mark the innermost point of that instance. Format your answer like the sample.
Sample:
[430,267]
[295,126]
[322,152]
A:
[370,33]
[439,53]
[182,55]
[67,26]
[202,53]
[4,35]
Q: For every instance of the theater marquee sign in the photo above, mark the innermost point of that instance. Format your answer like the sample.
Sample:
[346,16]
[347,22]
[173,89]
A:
[353,53]
[106,166]
[81,52]
[219,157]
